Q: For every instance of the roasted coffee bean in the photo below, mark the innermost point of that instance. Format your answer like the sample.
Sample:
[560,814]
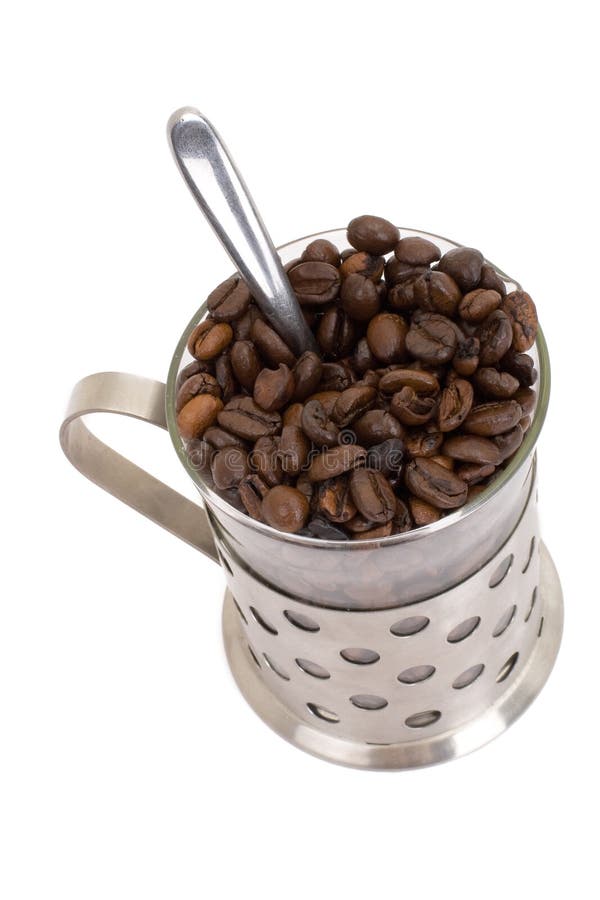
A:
[327,398]
[322,250]
[386,457]
[200,454]
[294,448]
[402,294]
[438,293]
[336,333]
[395,270]
[293,415]
[335,461]
[266,461]
[372,495]
[478,304]
[320,527]
[307,375]
[473,473]
[274,388]
[416,251]
[245,418]
[380,531]
[369,379]
[526,398]
[360,298]
[228,467]
[193,368]
[197,415]
[252,491]
[363,264]
[520,309]
[202,383]
[411,408]
[209,339]
[464,265]
[353,403]
[358,526]
[423,443]
[285,508]
[335,377]
[493,418]
[402,520]
[362,358]
[432,340]
[435,484]
[219,438]
[492,383]
[225,377]
[466,358]
[525,423]
[475,491]
[509,442]
[229,301]
[271,346]
[473,449]
[446,461]
[315,282]
[334,500]
[317,424]
[373,234]
[349,251]
[377,426]
[242,327]
[386,336]
[423,513]
[495,337]
[455,404]
[490,280]
[419,380]
[521,366]
[245,363]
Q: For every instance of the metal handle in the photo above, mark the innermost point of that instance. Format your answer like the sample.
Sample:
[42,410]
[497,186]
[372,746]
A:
[224,199]
[141,398]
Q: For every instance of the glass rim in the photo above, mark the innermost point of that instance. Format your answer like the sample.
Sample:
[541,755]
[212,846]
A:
[213,499]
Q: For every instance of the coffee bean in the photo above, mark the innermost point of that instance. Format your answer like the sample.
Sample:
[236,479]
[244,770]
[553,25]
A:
[509,442]
[266,461]
[466,358]
[423,513]
[387,457]
[294,447]
[373,234]
[521,366]
[242,327]
[197,415]
[225,377]
[493,418]
[435,484]
[438,293]
[455,404]
[423,443]
[273,388]
[293,415]
[491,280]
[229,301]
[363,264]
[327,398]
[416,251]
[285,508]
[252,491]
[336,333]
[446,461]
[317,424]
[372,495]
[520,309]
[335,377]
[402,293]
[411,408]
[334,501]
[377,426]
[473,449]
[492,383]
[245,363]
[335,461]
[432,340]
[495,336]
[402,520]
[193,368]
[271,346]
[353,403]
[376,533]
[363,359]
[245,418]
[473,473]
[359,298]
[202,383]
[386,336]
[200,454]
[478,304]
[315,282]
[228,467]
[209,339]
[307,375]
[421,381]
[320,527]
[321,250]
[219,438]
[526,398]
[525,423]
[464,265]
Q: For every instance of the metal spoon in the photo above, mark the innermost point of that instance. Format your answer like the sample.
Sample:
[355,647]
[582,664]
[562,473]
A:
[221,194]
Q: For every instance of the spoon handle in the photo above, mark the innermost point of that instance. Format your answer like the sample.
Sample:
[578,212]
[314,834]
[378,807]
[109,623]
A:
[221,194]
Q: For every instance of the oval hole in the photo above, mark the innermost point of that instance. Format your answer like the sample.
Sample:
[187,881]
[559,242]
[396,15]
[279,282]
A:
[301,621]
[239,609]
[360,656]
[262,621]
[541,627]
[412,625]
[416,674]
[254,656]
[277,669]
[321,713]
[507,668]
[312,668]
[502,571]
[468,677]
[463,630]
[368,701]
[530,555]
[531,604]
[423,719]
[504,621]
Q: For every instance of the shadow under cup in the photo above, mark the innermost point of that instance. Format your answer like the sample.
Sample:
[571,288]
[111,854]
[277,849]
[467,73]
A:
[372,574]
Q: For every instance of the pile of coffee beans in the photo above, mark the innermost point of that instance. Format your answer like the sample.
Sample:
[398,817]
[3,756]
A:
[421,391]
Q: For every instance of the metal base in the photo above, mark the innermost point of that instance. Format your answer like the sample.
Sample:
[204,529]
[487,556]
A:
[406,755]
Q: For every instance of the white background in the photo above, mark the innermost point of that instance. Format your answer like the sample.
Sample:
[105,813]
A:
[131,767]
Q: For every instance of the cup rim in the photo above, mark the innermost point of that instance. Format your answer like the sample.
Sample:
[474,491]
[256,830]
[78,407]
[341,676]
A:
[213,499]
